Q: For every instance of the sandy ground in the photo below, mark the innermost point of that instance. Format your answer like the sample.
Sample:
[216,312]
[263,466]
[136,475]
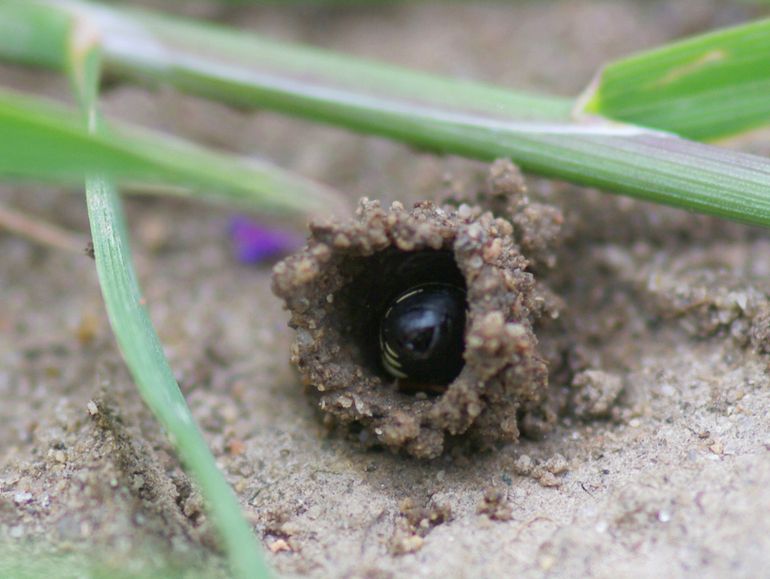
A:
[661,469]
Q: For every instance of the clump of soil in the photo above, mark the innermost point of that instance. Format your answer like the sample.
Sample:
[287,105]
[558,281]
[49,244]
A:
[595,393]
[495,505]
[337,287]
[546,472]
[415,523]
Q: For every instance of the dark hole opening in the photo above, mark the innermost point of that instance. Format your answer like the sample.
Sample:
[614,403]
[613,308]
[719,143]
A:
[380,279]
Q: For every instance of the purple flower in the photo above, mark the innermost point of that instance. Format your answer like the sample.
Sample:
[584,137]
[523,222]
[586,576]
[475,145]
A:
[254,242]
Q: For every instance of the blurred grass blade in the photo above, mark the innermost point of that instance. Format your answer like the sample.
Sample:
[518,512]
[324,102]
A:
[439,114]
[36,559]
[211,59]
[33,34]
[703,88]
[138,341]
[42,140]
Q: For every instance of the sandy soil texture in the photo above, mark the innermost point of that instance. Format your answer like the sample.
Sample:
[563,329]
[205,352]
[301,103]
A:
[660,467]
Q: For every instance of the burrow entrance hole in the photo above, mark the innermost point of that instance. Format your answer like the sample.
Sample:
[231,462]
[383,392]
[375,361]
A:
[375,282]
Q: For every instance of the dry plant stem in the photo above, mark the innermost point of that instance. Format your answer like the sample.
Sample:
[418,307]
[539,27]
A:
[40,231]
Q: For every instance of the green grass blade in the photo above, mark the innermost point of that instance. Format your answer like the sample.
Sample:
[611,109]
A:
[35,560]
[243,68]
[433,113]
[137,339]
[153,45]
[447,116]
[143,353]
[41,140]
[33,34]
[438,114]
[703,88]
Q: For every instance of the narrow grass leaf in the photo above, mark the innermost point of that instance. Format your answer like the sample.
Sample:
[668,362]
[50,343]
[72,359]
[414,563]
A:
[138,341]
[439,114]
[34,34]
[703,88]
[153,45]
[143,353]
[434,113]
[42,140]
[35,560]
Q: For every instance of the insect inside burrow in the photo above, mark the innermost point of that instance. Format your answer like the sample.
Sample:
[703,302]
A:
[409,314]
[421,334]
[360,284]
